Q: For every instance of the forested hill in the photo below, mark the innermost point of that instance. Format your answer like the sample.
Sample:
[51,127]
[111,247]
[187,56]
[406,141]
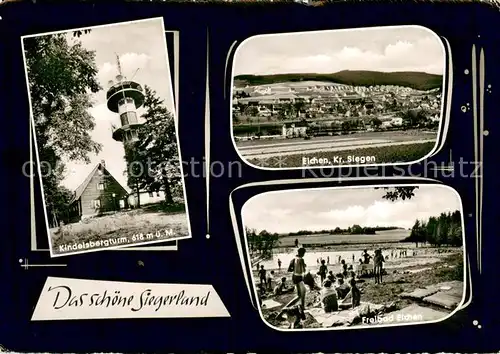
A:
[415,80]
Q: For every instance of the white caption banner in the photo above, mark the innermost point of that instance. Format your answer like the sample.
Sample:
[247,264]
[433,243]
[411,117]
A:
[79,299]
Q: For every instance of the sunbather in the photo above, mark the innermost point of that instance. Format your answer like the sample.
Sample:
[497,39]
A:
[341,287]
[282,288]
[328,297]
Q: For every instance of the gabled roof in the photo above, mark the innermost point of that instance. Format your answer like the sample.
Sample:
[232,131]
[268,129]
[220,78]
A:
[82,187]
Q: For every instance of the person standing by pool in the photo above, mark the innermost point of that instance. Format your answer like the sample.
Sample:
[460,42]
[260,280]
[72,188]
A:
[323,270]
[299,271]
[378,261]
[344,268]
[270,279]
[279,264]
[366,257]
[262,276]
[296,242]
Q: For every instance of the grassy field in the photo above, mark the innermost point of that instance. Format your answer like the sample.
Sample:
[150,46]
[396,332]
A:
[387,154]
[415,80]
[380,236]
[160,223]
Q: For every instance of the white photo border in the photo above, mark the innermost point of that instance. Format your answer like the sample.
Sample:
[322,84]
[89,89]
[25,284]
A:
[245,260]
[33,143]
[447,86]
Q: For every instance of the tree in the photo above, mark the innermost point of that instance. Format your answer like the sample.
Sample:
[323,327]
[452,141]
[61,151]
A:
[431,230]
[376,123]
[395,193]
[446,229]
[262,242]
[299,106]
[356,230]
[418,233]
[346,126]
[251,111]
[62,75]
[288,110]
[414,117]
[57,200]
[155,152]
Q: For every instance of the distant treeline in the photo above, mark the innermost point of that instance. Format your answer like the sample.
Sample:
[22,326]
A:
[261,243]
[446,229]
[416,80]
[353,230]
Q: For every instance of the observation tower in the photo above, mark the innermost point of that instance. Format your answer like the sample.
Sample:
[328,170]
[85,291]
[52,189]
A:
[125,97]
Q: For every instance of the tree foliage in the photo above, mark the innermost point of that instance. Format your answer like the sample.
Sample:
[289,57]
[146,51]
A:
[62,75]
[414,117]
[262,243]
[398,193]
[446,229]
[375,122]
[153,160]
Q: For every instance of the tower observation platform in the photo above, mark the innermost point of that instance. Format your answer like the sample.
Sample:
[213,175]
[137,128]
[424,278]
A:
[125,97]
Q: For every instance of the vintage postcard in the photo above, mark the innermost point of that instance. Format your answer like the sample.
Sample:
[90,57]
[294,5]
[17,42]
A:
[348,97]
[105,134]
[356,256]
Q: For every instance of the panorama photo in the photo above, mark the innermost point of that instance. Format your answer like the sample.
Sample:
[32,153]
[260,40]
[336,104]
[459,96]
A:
[339,97]
[350,257]
[105,137]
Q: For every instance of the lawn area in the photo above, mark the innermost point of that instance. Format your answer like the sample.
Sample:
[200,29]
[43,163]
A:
[386,154]
[155,223]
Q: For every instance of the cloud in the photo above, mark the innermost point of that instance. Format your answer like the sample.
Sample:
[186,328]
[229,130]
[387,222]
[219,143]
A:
[140,45]
[129,63]
[325,209]
[112,151]
[333,52]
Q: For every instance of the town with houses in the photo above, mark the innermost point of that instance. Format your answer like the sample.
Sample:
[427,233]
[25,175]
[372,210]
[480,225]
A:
[306,109]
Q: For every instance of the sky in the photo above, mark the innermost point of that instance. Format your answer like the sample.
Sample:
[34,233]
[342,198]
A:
[403,48]
[140,45]
[325,209]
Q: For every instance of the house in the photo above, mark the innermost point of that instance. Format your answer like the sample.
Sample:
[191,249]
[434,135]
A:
[100,192]
[264,111]
[386,124]
[293,130]
[145,198]
[396,121]
[262,90]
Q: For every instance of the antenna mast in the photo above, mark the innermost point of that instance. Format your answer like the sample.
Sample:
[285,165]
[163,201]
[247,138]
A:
[119,65]
[135,74]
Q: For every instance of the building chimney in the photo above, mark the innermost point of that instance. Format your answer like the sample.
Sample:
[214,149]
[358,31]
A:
[103,164]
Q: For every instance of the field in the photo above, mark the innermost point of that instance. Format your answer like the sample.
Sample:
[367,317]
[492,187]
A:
[415,80]
[380,236]
[378,155]
[125,226]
